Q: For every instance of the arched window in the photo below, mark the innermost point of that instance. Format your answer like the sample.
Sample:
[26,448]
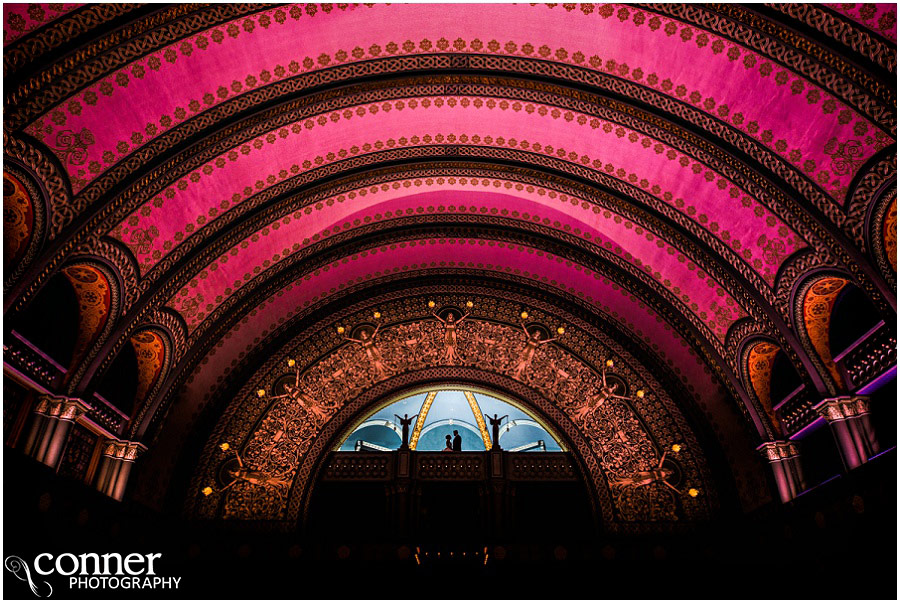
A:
[443,411]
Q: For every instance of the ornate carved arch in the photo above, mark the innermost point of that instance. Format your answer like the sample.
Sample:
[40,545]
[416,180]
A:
[560,382]
[24,223]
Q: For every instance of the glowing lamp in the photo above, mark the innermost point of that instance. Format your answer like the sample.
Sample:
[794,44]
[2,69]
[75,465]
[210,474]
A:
[560,331]
[676,447]
[693,492]
[377,315]
[640,393]
[524,315]
[470,304]
[260,392]
[340,330]
[430,304]
[609,363]
[207,491]
[224,446]
[291,362]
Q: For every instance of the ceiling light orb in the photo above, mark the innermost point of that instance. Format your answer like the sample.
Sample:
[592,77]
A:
[376,314]
[291,362]
[676,447]
[609,363]
[470,304]
[260,392]
[341,330]
[206,491]
[524,315]
[560,331]
[431,304]
[224,446]
[693,492]
[640,393]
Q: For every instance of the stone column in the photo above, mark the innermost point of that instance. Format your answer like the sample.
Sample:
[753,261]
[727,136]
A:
[50,427]
[850,422]
[784,458]
[118,459]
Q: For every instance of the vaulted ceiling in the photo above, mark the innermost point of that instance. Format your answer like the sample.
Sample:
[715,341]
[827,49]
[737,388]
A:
[669,177]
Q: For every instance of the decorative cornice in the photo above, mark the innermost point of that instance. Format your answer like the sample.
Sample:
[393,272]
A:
[842,408]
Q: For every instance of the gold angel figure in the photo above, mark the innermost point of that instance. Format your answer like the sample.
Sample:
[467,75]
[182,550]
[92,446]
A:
[250,476]
[606,393]
[296,393]
[657,475]
[450,325]
[532,342]
[367,341]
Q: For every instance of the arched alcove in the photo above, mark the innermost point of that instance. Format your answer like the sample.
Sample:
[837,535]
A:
[51,321]
[119,385]
[852,316]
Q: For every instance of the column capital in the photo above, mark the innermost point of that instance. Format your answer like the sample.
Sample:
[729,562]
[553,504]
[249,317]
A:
[123,449]
[61,407]
[842,408]
[778,450]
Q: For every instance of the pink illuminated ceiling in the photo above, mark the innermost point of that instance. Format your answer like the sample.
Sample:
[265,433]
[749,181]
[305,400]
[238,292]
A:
[802,123]
[276,242]
[22,19]
[716,204]
[880,18]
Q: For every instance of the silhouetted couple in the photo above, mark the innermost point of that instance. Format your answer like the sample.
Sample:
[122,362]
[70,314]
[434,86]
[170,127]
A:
[456,444]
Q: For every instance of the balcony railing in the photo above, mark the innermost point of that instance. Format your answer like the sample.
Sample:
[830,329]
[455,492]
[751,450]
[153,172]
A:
[869,357]
[450,466]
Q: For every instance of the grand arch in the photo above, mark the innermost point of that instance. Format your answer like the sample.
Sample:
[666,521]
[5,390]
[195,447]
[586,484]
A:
[703,194]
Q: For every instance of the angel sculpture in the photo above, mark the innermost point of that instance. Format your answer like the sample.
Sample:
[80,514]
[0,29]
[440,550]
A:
[532,342]
[606,393]
[242,473]
[657,475]
[367,341]
[405,422]
[450,324]
[296,393]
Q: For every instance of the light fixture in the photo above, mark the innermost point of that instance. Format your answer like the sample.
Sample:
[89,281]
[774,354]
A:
[377,315]
[609,363]
[207,491]
[291,362]
[224,446]
[340,330]
[430,304]
[693,492]
[260,392]
[524,315]
[640,393]
[560,330]
[470,304]
[676,447]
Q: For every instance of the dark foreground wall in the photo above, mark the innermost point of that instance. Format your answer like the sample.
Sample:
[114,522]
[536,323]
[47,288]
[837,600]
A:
[837,541]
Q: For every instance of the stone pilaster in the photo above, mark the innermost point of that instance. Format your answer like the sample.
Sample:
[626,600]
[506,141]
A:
[850,422]
[784,459]
[118,459]
[50,427]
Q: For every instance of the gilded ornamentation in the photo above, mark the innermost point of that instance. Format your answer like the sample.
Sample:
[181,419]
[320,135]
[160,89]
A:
[616,435]
[94,295]
[760,361]
[817,307]
[150,352]
[606,393]
[18,220]
[72,146]
[846,157]
[889,233]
